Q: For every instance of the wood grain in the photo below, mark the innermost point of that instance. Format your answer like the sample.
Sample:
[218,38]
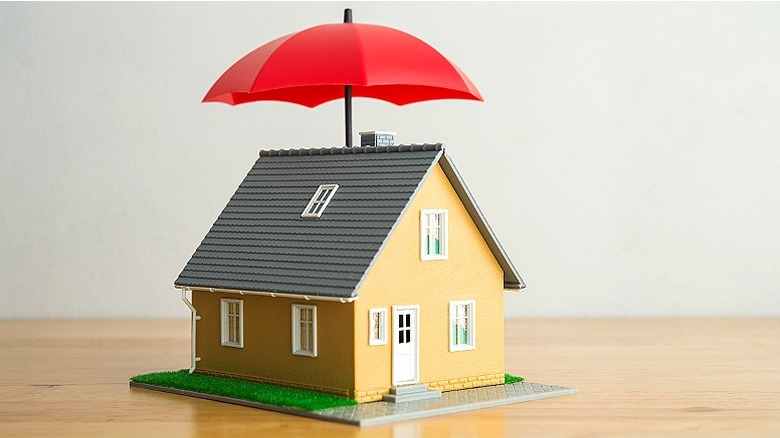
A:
[644,378]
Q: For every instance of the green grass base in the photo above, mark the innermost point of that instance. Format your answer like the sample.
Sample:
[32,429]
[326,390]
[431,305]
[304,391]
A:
[255,391]
[244,390]
[508,378]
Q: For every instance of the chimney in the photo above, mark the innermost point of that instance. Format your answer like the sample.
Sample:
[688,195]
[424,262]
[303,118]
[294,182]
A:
[377,138]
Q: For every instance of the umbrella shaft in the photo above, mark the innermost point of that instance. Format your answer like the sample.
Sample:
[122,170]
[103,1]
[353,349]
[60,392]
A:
[348,94]
[348,114]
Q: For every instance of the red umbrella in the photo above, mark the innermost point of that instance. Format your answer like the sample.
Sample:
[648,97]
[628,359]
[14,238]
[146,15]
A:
[330,61]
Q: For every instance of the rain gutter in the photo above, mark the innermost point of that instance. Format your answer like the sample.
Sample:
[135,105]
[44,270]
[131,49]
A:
[345,300]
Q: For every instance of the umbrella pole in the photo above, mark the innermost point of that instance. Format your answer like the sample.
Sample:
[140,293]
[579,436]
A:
[348,113]
[348,94]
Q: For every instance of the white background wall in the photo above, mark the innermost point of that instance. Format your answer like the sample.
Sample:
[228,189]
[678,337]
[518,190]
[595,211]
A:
[627,155]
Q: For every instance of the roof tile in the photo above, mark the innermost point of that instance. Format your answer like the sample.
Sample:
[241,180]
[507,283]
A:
[260,242]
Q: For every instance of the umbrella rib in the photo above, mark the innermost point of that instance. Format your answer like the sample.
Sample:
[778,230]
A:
[282,41]
[360,55]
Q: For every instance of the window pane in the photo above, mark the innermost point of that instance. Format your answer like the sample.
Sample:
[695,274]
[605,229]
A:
[427,223]
[323,195]
[310,336]
[462,326]
[233,328]
[375,336]
[304,340]
[437,234]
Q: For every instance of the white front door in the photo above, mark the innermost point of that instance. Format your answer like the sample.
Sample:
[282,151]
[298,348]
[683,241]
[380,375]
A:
[406,365]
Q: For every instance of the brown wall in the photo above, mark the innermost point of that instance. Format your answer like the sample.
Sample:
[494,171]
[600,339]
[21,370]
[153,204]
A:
[399,277]
[267,352]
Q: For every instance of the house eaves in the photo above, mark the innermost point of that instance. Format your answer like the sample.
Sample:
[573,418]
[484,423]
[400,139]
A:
[261,245]
[512,279]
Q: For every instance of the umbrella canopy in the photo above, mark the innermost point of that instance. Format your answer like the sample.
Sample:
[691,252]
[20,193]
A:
[331,61]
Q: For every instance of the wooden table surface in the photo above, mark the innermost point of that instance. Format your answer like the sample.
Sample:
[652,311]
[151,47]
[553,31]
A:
[648,377]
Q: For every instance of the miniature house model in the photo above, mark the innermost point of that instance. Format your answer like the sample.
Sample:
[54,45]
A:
[355,271]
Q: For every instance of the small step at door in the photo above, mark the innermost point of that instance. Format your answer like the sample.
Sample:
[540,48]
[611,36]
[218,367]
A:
[407,393]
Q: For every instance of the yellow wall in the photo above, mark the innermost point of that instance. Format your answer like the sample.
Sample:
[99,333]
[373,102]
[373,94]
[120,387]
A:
[346,364]
[399,277]
[267,352]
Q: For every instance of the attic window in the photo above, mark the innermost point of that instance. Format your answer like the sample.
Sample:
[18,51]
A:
[433,235]
[319,201]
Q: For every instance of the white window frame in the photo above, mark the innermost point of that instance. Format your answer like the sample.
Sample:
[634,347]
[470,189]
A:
[296,330]
[424,254]
[225,321]
[471,325]
[381,313]
[321,203]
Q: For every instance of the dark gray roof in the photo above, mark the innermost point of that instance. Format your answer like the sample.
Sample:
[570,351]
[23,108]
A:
[261,243]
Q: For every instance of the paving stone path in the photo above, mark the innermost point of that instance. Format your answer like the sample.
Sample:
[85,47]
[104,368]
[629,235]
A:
[366,414]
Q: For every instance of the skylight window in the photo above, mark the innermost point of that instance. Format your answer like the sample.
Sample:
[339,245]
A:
[319,201]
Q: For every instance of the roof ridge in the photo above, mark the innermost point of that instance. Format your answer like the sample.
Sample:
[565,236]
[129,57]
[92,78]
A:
[344,150]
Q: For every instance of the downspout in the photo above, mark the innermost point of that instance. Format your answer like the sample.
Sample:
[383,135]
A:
[195,318]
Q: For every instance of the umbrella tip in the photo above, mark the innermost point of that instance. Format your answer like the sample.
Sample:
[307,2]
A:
[348,15]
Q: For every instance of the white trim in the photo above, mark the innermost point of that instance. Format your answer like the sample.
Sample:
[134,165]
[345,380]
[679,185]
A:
[269,294]
[296,330]
[416,320]
[398,221]
[424,253]
[468,201]
[471,321]
[324,203]
[362,133]
[382,314]
[224,307]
